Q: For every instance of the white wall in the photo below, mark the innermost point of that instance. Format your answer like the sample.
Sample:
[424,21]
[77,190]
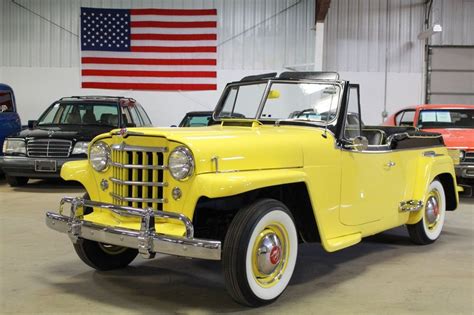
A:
[39,57]
[404,89]
[36,88]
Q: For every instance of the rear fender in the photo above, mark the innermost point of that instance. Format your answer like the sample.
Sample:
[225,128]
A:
[430,168]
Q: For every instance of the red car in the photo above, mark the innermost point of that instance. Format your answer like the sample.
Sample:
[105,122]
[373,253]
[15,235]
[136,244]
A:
[454,122]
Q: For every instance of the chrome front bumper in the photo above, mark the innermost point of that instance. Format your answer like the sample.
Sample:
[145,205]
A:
[146,240]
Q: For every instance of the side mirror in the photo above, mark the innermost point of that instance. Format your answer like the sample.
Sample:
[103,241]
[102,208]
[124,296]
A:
[359,143]
[32,124]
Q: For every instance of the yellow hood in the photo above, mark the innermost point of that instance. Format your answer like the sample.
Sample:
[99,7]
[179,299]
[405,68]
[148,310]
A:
[237,148]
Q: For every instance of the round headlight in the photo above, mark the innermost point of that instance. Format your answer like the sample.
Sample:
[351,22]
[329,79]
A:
[181,163]
[99,156]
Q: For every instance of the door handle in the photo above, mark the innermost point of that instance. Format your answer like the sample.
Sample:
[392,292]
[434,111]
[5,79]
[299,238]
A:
[390,164]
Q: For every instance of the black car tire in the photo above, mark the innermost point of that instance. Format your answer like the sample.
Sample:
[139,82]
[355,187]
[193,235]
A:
[103,256]
[16,181]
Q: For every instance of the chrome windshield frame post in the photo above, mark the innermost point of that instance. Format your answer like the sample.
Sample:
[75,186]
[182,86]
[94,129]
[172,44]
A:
[147,230]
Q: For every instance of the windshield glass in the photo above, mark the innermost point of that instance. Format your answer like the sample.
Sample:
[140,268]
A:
[286,100]
[446,118]
[6,103]
[80,114]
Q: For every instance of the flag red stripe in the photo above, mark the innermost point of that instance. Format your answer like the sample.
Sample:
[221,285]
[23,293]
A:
[177,49]
[148,86]
[203,24]
[156,74]
[173,36]
[173,12]
[136,61]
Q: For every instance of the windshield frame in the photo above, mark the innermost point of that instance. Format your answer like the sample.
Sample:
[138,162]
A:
[264,98]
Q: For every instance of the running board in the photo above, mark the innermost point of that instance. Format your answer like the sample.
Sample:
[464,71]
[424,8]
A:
[410,205]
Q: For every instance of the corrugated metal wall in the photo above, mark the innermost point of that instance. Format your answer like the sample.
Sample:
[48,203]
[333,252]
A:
[253,34]
[358,32]
[457,19]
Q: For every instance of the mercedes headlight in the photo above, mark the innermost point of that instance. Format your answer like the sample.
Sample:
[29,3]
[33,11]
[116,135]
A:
[80,147]
[181,163]
[14,146]
[99,156]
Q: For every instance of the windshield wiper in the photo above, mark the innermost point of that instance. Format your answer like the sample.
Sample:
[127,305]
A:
[277,122]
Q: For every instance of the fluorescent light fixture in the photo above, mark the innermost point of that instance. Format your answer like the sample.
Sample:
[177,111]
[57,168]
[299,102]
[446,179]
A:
[430,32]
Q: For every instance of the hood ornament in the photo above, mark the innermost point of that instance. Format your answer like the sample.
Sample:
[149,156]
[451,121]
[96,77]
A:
[50,133]
[123,132]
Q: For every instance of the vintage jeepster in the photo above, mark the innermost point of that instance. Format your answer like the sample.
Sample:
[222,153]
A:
[282,164]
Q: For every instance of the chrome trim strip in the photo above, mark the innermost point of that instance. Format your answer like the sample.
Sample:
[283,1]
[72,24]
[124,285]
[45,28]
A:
[131,182]
[144,167]
[431,154]
[160,243]
[410,205]
[125,147]
[152,200]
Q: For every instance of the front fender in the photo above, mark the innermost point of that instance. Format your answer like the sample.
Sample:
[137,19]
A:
[80,171]
[216,185]
[430,167]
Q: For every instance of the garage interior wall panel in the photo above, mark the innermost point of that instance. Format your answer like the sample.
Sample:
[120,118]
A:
[358,32]
[457,19]
[40,60]
[252,34]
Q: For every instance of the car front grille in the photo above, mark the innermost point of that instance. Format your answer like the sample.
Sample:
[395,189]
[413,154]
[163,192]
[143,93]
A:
[468,158]
[137,176]
[52,148]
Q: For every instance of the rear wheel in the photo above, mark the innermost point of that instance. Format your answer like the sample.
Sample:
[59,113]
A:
[16,181]
[260,251]
[429,228]
[103,256]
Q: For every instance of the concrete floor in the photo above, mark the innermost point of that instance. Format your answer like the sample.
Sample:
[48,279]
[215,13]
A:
[385,274]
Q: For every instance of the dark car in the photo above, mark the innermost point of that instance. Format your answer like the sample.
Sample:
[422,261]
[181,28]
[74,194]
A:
[201,119]
[62,134]
[9,119]
[196,119]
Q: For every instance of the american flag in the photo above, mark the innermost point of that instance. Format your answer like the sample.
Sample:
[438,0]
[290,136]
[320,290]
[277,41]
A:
[149,49]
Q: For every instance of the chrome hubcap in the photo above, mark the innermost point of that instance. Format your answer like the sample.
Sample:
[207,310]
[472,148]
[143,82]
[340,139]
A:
[269,254]
[432,210]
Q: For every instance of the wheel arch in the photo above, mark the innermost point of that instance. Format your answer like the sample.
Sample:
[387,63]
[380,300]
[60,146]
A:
[212,216]
[450,192]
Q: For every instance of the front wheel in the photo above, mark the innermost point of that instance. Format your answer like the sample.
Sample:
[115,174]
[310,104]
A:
[103,256]
[429,228]
[260,251]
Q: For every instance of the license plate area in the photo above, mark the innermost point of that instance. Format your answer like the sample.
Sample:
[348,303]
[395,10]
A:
[45,166]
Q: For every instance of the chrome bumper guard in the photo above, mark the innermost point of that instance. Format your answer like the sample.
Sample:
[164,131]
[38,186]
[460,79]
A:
[146,240]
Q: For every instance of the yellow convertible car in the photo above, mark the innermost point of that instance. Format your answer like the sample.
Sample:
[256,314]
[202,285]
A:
[249,188]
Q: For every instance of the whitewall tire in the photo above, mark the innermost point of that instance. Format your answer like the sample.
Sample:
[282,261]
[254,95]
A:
[429,228]
[260,251]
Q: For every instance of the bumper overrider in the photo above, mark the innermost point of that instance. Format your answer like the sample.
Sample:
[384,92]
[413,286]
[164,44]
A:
[146,240]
